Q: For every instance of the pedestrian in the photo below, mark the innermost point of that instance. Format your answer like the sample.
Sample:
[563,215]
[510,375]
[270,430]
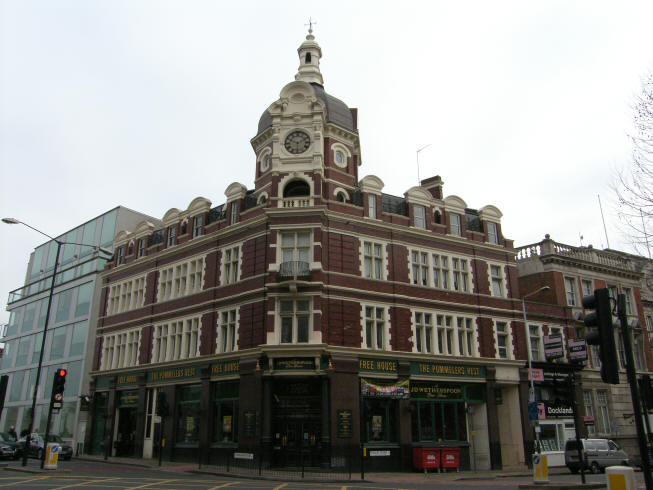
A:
[24,432]
[12,433]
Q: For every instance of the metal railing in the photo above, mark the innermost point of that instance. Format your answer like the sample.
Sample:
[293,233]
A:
[294,268]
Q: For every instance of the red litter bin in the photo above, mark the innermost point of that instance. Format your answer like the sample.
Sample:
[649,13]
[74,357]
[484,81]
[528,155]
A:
[426,458]
[450,458]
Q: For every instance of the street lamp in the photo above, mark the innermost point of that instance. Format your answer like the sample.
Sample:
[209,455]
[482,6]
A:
[13,221]
[531,394]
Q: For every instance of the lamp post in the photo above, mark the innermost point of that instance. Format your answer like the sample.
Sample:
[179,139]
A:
[531,393]
[13,221]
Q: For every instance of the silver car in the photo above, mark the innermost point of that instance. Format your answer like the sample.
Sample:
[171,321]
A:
[597,454]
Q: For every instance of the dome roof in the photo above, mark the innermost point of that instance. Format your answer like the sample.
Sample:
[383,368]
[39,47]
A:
[337,112]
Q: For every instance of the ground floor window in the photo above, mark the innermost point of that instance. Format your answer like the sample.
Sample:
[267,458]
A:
[225,412]
[380,420]
[554,434]
[438,421]
[188,414]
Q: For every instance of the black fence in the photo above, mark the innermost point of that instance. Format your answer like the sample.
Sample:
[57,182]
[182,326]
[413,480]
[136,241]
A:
[329,464]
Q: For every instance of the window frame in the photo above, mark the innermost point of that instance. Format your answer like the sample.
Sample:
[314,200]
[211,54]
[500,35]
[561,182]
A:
[370,327]
[497,279]
[371,206]
[419,218]
[372,261]
[295,316]
[198,226]
[507,335]
[172,236]
[455,226]
[230,267]
[492,232]
[227,330]
[571,293]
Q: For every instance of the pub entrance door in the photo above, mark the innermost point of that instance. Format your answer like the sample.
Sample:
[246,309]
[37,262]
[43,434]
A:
[296,423]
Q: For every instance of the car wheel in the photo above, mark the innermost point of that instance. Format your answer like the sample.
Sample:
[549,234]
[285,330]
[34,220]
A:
[595,468]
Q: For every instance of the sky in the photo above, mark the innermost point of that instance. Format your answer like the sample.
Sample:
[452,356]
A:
[150,103]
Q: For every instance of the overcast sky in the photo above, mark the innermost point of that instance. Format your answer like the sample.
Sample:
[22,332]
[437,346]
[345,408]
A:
[149,104]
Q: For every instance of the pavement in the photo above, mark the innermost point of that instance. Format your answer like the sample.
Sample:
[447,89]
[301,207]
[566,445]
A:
[372,477]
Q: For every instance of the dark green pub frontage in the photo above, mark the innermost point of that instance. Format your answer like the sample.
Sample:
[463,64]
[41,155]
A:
[312,410]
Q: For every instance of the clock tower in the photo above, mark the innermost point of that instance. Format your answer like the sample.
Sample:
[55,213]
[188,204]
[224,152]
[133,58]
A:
[307,146]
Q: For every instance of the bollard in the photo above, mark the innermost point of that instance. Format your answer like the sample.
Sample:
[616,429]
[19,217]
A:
[540,469]
[620,478]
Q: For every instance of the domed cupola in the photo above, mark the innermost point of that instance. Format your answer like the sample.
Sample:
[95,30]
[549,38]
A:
[309,60]
[337,111]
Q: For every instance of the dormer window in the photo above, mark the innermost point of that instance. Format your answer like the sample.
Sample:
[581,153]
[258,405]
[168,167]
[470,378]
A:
[121,255]
[492,235]
[419,216]
[308,58]
[172,234]
[341,197]
[141,247]
[198,223]
[454,223]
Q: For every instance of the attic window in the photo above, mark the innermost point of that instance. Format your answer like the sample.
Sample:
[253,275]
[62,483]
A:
[341,197]
[296,188]
[308,57]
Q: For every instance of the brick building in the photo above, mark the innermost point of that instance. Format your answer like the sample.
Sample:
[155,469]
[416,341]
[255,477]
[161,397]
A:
[313,313]
[571,273]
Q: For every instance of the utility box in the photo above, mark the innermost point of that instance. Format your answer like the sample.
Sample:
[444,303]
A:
[620,478]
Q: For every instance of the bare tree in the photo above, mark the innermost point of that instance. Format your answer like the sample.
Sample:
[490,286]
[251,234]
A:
[634,185]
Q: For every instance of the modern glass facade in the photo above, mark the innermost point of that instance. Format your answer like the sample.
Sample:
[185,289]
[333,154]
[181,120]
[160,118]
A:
[67,337]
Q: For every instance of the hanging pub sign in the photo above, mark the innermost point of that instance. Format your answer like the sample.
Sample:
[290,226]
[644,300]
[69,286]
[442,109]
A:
[553,346]
[577,350]
[395,389]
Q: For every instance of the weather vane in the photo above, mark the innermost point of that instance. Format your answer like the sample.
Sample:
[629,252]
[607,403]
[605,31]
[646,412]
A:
[310,25]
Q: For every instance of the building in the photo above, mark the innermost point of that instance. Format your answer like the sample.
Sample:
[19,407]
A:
[70,328]
[313,313]
[572,273]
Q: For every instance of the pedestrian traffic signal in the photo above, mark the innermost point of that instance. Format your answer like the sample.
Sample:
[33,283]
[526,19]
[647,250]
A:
[58,386]
[162,408]
[603,336]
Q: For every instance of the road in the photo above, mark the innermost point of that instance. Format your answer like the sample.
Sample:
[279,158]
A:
[96,475]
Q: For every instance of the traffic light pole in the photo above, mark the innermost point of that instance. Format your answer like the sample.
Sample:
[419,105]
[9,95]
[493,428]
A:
[47,424]
[634,392]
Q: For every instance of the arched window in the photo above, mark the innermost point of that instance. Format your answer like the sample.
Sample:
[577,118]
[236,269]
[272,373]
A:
[296,188]
[308,57]
[341,197]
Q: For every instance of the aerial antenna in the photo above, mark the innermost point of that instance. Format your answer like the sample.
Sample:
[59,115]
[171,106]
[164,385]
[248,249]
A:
[419,182]
[603,219]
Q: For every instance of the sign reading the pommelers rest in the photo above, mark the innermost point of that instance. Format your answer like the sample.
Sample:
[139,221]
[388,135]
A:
[225,368]
[172,374]
[377,366]
[453,370]
[294,364]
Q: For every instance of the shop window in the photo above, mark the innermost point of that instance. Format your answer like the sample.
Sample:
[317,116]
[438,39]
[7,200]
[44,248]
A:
[380,421]
[188,418]
[225,412]
[438,421]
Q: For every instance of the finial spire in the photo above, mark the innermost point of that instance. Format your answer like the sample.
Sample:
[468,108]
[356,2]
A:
[310,25]
[309,58]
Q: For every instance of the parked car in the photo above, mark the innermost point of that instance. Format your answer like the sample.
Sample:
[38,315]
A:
[597,454]
[9,447]
[36,446]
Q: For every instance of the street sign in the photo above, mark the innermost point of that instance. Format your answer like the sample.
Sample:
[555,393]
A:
[553,346]
[538,374]
[588,419]
[577,349]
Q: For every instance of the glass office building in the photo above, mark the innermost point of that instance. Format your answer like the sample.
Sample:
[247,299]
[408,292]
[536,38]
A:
[72,315]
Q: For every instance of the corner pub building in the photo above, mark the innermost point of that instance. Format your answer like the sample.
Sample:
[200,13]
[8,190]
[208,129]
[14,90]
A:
[313,314]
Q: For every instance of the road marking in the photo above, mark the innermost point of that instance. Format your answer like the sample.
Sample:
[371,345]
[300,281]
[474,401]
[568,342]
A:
[225,485]
[32,479]
[160,482]
[95,480]
[281,486]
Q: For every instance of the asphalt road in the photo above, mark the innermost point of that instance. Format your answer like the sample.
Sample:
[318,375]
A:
[97,475]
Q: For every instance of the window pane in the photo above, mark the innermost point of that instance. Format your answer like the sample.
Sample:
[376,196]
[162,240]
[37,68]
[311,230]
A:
[73,379]
[58,343]
[83,299]
[78,340]
[63,305]
[286,330]
[302,329]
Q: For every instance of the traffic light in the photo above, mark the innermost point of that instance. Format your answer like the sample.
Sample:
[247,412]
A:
[58,386]
[603,336]
[162,408]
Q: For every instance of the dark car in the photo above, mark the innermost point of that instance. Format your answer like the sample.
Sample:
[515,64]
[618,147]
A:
[9,447]
[36,446]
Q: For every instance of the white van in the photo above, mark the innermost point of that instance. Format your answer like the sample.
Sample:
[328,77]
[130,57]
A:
[597,454]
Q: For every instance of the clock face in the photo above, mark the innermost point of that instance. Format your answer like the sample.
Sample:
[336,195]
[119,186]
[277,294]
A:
[297,142]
